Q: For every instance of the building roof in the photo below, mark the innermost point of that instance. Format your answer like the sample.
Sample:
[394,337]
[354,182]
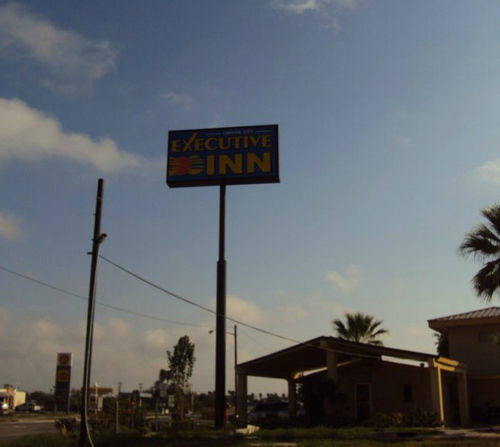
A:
[490,315]
[311,355]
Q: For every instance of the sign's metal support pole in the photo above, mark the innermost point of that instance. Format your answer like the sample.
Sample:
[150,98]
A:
[96,242]
[220,348]
[235,333]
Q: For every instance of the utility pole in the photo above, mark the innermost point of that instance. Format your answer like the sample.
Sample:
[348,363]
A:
[96,242]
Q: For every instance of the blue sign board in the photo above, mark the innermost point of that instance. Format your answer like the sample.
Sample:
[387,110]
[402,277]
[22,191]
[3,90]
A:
[223,156]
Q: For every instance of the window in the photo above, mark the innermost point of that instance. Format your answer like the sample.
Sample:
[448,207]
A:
[407,393]
[485,336]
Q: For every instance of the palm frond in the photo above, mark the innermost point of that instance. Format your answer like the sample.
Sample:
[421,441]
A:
[359,327]
[481,242]
[487,280]
[492,213]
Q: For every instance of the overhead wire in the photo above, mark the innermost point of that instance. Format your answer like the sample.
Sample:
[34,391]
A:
[193,303]
[234,320]
[174,295]
[100,303]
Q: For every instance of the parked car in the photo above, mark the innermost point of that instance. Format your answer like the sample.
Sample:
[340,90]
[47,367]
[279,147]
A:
[278,410]
[31,407]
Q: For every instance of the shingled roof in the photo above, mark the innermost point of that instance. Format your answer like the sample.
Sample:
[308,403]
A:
[488,315]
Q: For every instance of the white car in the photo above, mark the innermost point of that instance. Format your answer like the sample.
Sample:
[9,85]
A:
[31,407]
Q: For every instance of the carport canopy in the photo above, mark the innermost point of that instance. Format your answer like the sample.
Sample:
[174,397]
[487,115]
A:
[312,355]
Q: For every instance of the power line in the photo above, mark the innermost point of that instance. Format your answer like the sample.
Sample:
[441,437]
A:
[81,297]
[255,328]
[186,300]
[164,320]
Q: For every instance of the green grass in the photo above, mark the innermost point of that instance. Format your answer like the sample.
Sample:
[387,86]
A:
[42,440]
[299,437]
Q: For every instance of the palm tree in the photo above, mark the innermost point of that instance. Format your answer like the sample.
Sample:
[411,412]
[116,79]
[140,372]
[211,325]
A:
[483,242]
[359,327]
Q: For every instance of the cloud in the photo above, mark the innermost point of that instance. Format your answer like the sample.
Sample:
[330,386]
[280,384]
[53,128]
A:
[328,10]
[174,99]
[29,134]
[490,171]
[10,227]
[300,6]
[347,281]
[245,310]
[72,60]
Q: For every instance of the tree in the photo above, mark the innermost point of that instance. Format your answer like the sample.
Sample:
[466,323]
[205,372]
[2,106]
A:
[442,346]
[360,328]
[181,362]
[483,242]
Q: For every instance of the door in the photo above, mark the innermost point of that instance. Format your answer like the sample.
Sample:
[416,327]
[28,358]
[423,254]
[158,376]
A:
[363,402]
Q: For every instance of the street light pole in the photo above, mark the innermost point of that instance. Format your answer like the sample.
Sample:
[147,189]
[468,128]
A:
[140,395]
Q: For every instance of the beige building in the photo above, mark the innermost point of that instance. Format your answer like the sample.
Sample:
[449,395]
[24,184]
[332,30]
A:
[473,338]
[352,382]
[12,397]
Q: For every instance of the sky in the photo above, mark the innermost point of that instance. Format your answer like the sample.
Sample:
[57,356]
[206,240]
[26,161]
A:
[388,115]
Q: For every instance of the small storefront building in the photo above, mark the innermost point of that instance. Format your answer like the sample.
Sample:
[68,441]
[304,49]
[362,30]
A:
[351,382]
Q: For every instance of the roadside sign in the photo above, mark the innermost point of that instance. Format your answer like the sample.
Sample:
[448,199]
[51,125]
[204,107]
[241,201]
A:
[223,156]
[63,380]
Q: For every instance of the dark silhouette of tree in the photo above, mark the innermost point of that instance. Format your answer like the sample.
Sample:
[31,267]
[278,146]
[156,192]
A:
[483,242]
[442,346]
[181,362]
[359,327]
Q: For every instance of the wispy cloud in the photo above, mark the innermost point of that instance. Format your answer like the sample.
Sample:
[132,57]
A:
[72,61]
[347,281]
[29,134]
[244,310]
[10,227]
[175,99]
[490,171]
[327,10]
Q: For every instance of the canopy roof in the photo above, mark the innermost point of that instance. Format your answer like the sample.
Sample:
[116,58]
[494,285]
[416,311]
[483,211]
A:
[311,355]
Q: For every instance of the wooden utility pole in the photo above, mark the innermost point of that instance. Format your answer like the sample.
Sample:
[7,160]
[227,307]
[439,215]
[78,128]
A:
[96,242]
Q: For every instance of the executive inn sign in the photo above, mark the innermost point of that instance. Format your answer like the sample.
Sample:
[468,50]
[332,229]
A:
[229,156]
[222,156]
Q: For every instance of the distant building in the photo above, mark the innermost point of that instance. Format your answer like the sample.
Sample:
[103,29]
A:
[473,338]
[97,395]
[12,397]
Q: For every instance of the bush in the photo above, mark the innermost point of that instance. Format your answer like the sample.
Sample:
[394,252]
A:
[422,418]
[384,420]
[417,418]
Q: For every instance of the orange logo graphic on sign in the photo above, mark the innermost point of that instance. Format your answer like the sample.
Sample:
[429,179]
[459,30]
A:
[192,165]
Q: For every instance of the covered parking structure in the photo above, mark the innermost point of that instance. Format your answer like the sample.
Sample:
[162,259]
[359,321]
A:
[350,364]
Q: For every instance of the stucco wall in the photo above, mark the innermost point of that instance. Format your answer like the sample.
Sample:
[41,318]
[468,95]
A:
[387,381]
[473,345]
[484,391]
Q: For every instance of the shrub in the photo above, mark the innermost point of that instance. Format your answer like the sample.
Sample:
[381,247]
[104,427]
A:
[417,418]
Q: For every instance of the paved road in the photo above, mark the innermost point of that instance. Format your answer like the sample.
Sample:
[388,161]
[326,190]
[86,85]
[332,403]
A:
[15,429]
